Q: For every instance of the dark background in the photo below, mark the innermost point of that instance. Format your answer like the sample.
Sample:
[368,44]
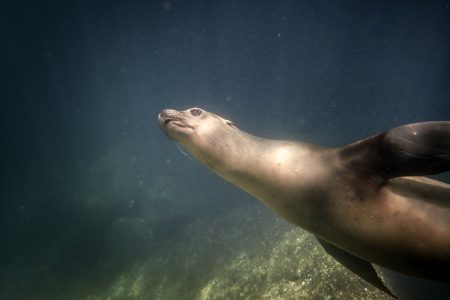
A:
[83,81]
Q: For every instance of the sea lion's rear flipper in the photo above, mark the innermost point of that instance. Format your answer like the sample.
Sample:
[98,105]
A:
[357,265]
[411,150]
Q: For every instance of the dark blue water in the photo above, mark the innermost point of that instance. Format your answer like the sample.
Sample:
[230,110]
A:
[89,183]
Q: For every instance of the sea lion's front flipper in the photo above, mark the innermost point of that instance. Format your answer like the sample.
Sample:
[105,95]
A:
[357,265]
[410,150]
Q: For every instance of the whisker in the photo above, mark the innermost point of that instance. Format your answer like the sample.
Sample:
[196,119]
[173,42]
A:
[182,150]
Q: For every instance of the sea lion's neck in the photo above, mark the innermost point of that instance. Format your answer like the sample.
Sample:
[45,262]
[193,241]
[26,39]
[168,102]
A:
[264,168]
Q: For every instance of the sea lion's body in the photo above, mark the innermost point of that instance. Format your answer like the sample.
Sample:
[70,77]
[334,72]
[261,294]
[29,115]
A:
[355,198]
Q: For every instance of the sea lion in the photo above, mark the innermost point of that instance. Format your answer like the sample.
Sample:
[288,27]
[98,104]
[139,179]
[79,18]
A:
[365,202]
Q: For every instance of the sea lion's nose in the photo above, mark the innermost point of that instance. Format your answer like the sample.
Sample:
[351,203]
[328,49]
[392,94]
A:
[163,115]
[167,113]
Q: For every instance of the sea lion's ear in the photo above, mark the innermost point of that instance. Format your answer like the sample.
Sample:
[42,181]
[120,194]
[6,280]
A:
[230,123]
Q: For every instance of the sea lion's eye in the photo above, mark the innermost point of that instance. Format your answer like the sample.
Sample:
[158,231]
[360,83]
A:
[196,112]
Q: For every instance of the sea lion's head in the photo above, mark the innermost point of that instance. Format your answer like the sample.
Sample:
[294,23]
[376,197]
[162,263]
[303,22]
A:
[205,135]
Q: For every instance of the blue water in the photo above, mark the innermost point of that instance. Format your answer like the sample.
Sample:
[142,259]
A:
[90,186]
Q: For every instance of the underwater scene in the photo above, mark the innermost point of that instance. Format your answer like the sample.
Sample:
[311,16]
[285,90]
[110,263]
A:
[108,195]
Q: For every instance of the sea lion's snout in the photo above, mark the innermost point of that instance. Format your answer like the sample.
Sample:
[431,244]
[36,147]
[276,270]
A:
[166,116]
[174,123]
[166,113]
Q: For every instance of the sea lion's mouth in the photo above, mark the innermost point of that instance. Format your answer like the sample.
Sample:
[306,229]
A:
[167,122]
[176,122]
